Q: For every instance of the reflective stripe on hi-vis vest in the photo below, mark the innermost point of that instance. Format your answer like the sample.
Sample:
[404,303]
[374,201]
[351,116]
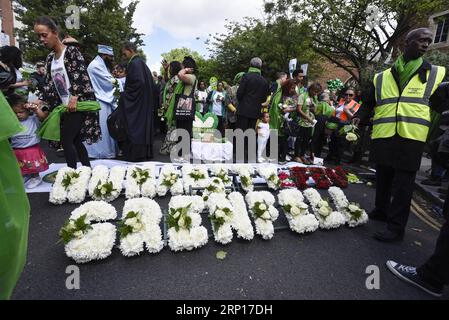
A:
[407,114]
[353,107]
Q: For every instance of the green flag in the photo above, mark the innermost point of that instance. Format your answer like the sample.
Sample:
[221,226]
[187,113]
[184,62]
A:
[14,206]
[51,127]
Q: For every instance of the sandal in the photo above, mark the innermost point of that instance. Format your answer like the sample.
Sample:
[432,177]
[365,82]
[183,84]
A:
[298,160]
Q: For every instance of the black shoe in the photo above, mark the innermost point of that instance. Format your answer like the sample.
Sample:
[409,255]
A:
[409,274]
[388,236]
[432,182]
[374,215]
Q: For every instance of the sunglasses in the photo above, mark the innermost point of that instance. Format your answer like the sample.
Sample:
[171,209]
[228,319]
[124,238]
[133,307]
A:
[349,95]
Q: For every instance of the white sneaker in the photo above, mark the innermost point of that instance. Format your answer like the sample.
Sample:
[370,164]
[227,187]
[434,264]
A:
[261,160]
[33,183]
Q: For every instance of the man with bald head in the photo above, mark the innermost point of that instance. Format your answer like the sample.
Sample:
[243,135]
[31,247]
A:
[402,99]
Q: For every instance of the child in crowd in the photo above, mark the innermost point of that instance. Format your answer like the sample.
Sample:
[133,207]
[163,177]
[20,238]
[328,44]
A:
[32,159]
[263,135]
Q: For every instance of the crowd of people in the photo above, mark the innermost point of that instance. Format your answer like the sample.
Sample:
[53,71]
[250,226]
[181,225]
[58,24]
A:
[98,110]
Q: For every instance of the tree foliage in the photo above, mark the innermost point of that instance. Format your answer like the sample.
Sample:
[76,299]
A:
[106,22]
[275,42]
[340,32]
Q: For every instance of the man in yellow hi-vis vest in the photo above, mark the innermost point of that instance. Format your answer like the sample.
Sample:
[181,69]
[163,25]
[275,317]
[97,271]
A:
[402,99]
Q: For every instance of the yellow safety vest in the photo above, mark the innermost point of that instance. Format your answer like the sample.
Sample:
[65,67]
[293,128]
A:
[407,114]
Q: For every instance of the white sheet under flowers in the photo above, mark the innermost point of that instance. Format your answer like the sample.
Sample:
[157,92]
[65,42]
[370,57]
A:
[217,205]
[270,174]
[323,212]
[169,174]
[148,233]
[188,181]
[264,225]
[245,173]
[197,236]
[146,189]
[297,212]
[100,176]
[97,243]
[348,209]
[241,222]
[222,172]
[75,192]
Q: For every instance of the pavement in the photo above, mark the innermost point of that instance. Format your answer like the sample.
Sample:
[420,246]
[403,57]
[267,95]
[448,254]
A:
[323,265]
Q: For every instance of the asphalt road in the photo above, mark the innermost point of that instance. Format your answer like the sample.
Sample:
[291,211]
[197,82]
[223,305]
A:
[323,265]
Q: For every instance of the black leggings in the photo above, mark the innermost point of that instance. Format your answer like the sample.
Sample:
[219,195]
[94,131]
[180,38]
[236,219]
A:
[71,139]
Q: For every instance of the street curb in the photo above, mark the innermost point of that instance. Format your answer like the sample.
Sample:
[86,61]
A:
[429,194]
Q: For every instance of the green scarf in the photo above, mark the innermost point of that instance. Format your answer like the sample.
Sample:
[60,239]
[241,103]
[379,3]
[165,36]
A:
[406,70]
[14,206]
[170,114]
[275,114]
[254,70]
[51,127]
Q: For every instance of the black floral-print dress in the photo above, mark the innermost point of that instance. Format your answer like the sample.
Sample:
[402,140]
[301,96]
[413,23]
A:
[80,86]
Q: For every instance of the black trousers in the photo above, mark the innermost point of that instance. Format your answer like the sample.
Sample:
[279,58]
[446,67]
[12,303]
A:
[221,125]
[188,126]
[436,269]
[71,139]
[137,152]
[302,144]
[319,136]
[394,194]
[244,124]
[283,147]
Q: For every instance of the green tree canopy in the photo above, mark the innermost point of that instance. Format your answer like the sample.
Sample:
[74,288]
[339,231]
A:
[340,32]
[106,22]
[275,41]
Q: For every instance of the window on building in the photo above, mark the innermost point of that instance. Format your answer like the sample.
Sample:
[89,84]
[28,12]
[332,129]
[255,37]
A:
[442,29]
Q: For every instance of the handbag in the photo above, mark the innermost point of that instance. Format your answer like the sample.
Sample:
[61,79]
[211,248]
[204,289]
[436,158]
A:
[116,126]
[185,106]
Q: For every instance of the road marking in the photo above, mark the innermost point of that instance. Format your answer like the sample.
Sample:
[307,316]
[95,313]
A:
[425,217]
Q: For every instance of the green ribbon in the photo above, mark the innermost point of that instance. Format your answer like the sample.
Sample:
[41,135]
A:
[170,114]
[254,70]
[275,114]
[51,127]
[14,206]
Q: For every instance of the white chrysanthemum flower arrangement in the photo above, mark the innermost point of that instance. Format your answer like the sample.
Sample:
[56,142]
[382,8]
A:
[140,182]
[354,214]
[221,215]
[241,222]
[270,174]
[70,185]
[106,185]
[169,180]
[261,207]
[184,223]
[327,218]
[85,241]
[215,186]
[195,177]
[222,172]
[140,227]
[297,212]
[245,173]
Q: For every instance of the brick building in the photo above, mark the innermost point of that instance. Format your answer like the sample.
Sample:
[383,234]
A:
[7,21]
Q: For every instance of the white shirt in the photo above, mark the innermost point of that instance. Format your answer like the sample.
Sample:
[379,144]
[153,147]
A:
[217,106]
[340,110]
[202,97]
[60,78]
[28,137]
[264,130]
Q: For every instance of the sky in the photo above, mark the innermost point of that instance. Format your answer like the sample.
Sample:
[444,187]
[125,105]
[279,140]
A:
[170,24]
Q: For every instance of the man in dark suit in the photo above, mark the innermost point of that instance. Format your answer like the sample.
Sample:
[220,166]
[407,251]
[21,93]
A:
[252,93]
